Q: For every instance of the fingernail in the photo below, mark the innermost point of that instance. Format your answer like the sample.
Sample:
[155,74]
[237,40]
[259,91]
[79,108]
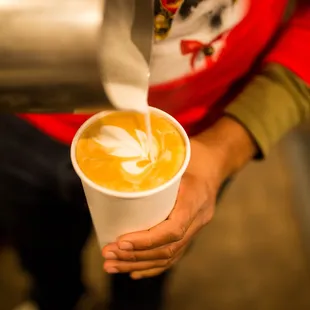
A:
[110,255]
[125,245]
[136,276]
[111,270]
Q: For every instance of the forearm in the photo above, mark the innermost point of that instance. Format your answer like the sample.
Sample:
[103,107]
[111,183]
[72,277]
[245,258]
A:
[276,100]
[273,102]
[229,145]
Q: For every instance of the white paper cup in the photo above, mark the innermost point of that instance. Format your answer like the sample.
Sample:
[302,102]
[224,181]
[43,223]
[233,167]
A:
[116,213]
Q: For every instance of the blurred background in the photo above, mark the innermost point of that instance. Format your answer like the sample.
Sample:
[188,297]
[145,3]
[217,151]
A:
[254,255]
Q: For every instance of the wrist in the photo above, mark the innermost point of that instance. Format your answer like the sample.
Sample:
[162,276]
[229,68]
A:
[229,145]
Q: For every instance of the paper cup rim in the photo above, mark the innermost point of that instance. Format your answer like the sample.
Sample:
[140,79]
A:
[129,195]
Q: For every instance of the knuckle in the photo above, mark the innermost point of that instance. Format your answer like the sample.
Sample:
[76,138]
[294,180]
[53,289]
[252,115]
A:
[165,263]
[208,216]
[132,257]
[127,256]
[149,241]
[178,234]
[170,252]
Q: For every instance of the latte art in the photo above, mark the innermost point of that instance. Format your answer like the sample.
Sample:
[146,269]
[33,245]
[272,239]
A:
[134,151]
[115,152]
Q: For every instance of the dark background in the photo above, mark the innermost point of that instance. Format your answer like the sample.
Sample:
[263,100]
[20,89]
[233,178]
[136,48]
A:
[254,255]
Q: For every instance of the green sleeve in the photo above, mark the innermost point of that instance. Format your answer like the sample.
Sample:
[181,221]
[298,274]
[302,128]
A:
[274,102]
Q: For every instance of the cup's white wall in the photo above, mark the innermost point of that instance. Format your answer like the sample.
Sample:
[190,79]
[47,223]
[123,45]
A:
[113,217]
[115,214]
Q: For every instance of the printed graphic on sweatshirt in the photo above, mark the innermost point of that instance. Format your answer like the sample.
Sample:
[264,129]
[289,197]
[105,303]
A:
[190,35]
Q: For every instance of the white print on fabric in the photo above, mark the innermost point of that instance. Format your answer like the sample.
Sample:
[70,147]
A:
[196,38]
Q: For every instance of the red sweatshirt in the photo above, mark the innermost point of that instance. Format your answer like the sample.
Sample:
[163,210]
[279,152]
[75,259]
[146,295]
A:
[210,45]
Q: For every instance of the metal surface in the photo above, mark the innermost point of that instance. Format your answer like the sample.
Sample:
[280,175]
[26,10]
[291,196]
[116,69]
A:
[126,43]
[49,53]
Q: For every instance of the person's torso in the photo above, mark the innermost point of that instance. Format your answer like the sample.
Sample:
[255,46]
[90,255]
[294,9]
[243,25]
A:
[197,58]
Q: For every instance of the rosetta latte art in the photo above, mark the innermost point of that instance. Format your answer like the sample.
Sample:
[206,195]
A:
[135,152]
[118,151]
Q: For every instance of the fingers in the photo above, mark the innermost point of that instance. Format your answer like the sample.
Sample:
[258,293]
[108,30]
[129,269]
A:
[142,269]
[167,252]
[137,275]
[113,267]
[152,262]
[167,232]
[112,252]
[171,230]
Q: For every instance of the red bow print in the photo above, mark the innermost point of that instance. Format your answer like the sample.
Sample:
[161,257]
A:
[195,47]
[192,47]
[171,5]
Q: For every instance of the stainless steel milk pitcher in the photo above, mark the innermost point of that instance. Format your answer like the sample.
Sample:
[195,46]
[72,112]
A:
[49,52]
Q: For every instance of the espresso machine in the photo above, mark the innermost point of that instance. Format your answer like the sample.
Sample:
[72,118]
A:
[51,51]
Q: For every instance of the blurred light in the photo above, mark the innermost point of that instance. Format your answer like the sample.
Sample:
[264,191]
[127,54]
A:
[9,3]
[90,18]
[87,13]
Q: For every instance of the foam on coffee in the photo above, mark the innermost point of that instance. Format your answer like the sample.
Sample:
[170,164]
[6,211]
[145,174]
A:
[114,152]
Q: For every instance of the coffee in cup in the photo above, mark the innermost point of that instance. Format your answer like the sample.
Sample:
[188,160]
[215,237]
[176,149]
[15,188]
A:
[130,180]
[115,153]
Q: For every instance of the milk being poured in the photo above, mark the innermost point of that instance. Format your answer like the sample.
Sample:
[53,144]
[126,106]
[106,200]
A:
[133,98]
[125,71]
